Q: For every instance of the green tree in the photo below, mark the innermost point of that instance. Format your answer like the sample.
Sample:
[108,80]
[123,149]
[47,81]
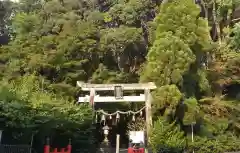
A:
[166,138]
[178,63]
[174,56]
[28,108]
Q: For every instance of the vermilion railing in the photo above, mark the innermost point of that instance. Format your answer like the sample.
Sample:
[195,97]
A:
[132,150]
[47,148]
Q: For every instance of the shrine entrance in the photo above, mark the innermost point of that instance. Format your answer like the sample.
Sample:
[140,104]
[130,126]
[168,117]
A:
[103,116]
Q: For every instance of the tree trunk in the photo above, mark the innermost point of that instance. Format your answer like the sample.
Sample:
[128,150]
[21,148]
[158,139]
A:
[216,27]
[205,9]
[231,22]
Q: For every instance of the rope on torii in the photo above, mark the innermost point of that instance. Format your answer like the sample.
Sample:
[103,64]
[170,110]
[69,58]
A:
[121,112]
[117,113]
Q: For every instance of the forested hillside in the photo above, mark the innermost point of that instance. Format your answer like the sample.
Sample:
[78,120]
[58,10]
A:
[189,49]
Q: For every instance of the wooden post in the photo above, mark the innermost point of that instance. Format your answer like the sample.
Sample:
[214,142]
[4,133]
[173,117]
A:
[192,134]
[31,143]
[1,136]
[69,147]
[47,146]
[55,150]
[63,150]
[117,143]
[148,104]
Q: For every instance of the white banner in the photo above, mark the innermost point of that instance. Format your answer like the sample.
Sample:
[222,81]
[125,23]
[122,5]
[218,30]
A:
[136,136]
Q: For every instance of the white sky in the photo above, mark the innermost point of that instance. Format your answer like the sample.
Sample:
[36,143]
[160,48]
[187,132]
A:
[11,0]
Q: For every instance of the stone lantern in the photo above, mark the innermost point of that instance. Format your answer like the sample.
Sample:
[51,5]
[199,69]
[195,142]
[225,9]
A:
[105,132]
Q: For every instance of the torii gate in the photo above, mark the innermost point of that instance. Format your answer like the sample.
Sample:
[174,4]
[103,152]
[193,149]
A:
[118,88]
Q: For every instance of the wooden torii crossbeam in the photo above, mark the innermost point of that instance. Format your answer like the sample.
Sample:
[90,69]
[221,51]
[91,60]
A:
[98,98]
[146,97]
[109,87]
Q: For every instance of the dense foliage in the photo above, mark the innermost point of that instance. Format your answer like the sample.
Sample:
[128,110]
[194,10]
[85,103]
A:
[190,50]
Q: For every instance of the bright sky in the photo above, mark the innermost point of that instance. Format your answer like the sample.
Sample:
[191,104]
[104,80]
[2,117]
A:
[11,0]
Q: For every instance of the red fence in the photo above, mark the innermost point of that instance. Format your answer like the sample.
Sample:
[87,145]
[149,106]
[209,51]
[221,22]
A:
[47,148]
[132,150]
